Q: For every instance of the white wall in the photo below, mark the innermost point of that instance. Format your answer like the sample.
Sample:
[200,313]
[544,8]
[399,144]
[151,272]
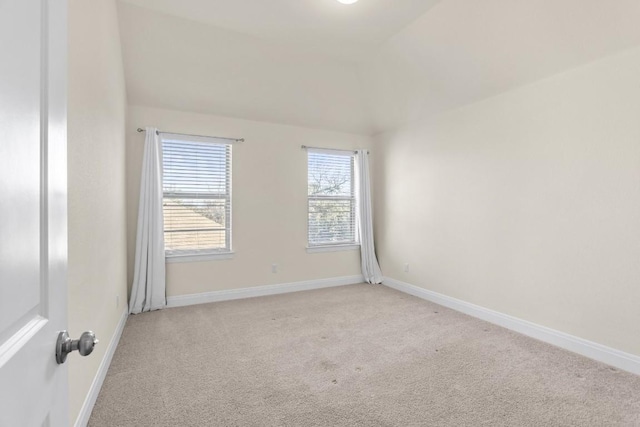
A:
[527,203]
[97,218]
[269,202]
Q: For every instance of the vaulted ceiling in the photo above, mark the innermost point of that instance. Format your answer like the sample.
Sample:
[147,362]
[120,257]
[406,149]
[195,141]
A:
[463,51]
[362,68]
[348,31]
[182,64]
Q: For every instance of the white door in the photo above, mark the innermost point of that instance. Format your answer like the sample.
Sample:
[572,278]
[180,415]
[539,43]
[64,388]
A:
[33,218]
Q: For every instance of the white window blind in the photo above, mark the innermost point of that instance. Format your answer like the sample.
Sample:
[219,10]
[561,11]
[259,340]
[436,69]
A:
[331,198]
[197,196]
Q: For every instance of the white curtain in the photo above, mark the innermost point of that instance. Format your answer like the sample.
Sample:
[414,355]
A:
[149,291]
[370,268]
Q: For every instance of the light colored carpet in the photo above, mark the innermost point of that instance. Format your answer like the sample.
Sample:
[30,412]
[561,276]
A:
[357,355]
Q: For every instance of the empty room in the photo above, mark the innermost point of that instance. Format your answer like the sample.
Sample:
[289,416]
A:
[319,213]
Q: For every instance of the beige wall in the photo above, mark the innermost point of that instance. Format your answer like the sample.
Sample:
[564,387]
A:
[97,220]
[269,202]
[527,203]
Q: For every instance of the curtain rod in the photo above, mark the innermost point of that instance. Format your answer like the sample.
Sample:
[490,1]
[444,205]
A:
[197,136]
[330,149]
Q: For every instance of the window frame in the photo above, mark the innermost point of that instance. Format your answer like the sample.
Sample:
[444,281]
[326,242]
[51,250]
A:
[195,255]
[340,245]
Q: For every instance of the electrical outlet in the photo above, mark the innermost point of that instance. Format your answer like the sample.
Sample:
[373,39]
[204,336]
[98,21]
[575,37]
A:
[117,301]
[406,267]
[274,268]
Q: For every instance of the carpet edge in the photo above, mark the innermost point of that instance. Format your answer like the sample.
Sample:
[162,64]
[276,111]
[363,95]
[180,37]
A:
[96,385]
[592,350]
[259,291]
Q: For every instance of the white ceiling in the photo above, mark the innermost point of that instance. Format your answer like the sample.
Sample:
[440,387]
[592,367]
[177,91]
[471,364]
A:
[349,31]
[180,64]
[462,51]
[362,68]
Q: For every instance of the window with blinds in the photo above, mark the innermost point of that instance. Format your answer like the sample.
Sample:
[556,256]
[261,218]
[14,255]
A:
[331,198]
[197,196]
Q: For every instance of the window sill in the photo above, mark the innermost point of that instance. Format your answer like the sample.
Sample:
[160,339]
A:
[170,259]
[332,248]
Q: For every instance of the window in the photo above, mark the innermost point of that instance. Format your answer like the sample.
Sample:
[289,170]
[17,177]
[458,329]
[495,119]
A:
[196,196]
[331,198]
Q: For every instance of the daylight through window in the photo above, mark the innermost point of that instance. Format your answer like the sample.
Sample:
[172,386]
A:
[331,198]
[197,197]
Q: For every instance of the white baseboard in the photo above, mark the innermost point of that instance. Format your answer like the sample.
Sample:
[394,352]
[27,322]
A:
[592,350]
[259,291]
[96,385]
